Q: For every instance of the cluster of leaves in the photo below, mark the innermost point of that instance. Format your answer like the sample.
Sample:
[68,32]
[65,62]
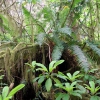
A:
[54,24]
[70,84]
[6,94]
[47,74]
[49,23]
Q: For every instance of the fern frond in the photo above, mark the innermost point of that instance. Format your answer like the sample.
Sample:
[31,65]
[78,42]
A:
[57,52]
[81,57]
[65,30]
[94,48]
[58,48]
[30,21]
[40,38]
[27,20]
[47,14]
[62,16]
[9,25]
[5,23]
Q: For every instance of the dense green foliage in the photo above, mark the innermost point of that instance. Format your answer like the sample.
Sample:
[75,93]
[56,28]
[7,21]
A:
[70,26]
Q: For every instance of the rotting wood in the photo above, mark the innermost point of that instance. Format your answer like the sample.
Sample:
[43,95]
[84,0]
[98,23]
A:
[10,57]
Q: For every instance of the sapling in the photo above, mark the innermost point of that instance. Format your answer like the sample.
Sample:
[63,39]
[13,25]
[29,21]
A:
[48,76]
[70,90]
[93,90]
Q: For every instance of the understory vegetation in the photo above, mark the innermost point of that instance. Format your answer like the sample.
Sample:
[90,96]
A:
[49,50]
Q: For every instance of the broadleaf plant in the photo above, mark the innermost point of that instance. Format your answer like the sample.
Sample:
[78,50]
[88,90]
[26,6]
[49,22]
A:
[70,77]
[7,95]
[48,76]
[92,87]
[70,89]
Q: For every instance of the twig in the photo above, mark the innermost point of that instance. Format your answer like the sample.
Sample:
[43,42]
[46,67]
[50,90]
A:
[8,7]
[49,52]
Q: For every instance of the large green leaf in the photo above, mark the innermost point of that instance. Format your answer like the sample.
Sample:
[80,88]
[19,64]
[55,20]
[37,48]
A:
[57,81]
[58,63]
[81,88]
[63,96]
[92,84]
[48,84]
[59,85]
[62,76]
[5,92]
[76,94]
[51,65]
[95,98]
[8,98]
[54,64]
[69,76]
[41,79]
[1,97]
[59,97]
[33,63]
[42,67]
[34,80]
[75,73]
[74,83]
[16,89]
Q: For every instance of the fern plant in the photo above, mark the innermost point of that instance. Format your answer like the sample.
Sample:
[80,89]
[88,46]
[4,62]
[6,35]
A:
[10,27]
[93,51]
[32,25]
[83,61]
[94,48]
[57,30]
